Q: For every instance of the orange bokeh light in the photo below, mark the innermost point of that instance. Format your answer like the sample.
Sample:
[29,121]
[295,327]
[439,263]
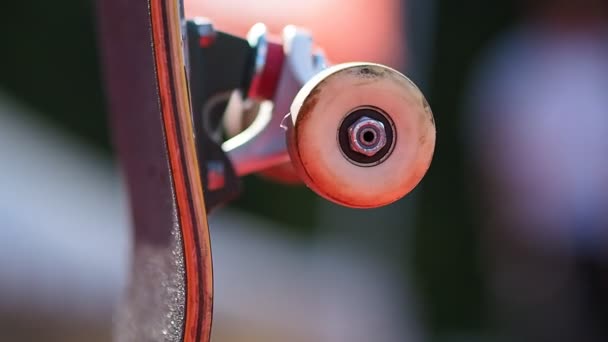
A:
[347,30]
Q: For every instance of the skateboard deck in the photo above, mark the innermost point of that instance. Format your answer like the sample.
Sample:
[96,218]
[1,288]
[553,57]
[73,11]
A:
[170,292]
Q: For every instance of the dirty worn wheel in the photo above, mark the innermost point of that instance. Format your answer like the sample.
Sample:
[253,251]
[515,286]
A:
[361,135]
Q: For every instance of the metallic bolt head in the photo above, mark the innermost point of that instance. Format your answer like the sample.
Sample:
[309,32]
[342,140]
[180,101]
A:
[367,136]
[205,30]
[204,26]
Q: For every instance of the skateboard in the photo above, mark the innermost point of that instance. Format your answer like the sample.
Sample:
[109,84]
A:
[194,109]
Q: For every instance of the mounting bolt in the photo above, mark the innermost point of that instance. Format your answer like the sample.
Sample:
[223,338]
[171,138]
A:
[205,30]
[367,136]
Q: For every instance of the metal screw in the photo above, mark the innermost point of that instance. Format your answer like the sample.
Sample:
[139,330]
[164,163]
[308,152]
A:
[367,136]
[206,31]
[215,175]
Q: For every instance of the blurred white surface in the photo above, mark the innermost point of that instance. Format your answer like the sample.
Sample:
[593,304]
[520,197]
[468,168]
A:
[63,221]
[65,241]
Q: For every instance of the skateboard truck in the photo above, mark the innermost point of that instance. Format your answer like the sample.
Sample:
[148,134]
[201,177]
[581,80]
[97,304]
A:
[265,102]
[221,106]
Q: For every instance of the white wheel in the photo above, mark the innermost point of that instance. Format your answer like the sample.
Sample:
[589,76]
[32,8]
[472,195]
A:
[361,135]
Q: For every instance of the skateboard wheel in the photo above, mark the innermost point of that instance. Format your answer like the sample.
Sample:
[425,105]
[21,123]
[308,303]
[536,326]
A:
[284,174]
[361,135]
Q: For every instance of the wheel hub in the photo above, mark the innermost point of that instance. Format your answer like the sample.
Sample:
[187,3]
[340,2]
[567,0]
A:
[366,136]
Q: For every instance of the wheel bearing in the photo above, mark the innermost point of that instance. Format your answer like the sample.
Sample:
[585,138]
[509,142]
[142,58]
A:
[353,143]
